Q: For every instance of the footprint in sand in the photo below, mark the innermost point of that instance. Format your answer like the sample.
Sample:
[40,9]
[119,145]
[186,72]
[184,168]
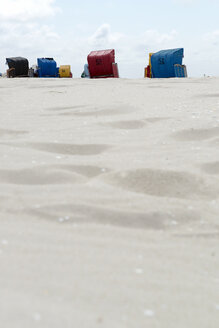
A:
[196,134]
[162,183]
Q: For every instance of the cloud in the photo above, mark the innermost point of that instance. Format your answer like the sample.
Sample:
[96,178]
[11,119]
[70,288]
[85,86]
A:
[24,30]
[148,40]
[26,10]
[103,37]
[153,40]
[20,37]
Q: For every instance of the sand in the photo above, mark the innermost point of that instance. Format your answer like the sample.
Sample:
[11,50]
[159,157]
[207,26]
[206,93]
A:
[109,193]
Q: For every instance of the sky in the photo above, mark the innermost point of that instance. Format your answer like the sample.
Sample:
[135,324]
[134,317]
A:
[68,30]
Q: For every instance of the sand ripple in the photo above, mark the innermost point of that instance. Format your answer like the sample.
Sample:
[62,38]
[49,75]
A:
[11,133]
[83,213]
[161,183]
[197,134]
[38,176]
[70,149]
[211,168]
[64,148]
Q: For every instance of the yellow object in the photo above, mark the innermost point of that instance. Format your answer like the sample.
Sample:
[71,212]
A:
[148,73]
[150,54]
[65,71]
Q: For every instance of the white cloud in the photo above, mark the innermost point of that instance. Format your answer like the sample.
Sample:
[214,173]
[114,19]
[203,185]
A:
[25,10]
[21,37]
[149,40]
[103,37]
[153,40]
[154,37]
[24,31]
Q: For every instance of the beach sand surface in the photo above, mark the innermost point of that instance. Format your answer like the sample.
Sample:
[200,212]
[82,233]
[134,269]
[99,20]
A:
[109,193]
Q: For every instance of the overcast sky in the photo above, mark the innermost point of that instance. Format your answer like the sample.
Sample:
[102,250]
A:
[68,30]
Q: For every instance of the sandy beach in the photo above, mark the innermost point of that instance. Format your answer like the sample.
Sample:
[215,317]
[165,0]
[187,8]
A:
[109,193]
